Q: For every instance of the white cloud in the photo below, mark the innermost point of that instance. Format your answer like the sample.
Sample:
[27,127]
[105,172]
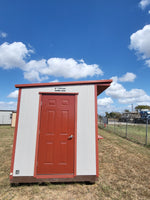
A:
[3,34]
[70,68]
[13,55]
[32,70]
[106,104]
[59,67]
[128,77]
[140,42]
[144,3]
[105,101]
[147,62]
[13,94]
[117,91]
[8,105]
[54,81]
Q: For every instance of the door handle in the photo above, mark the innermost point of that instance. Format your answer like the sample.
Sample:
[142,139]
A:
[70,137]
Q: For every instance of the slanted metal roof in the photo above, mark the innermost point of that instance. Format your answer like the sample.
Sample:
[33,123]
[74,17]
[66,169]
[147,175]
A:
[101,84]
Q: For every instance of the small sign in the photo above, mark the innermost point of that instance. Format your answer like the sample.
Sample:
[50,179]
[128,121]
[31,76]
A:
[60,89]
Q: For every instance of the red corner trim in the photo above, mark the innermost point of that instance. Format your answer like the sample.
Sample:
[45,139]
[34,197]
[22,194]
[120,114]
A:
[15,135]
[75,135]
[96,133]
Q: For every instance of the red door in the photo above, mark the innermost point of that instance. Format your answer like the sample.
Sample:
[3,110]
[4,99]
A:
[56,139]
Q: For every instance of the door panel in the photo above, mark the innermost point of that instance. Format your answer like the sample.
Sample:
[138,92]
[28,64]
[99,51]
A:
[56,149]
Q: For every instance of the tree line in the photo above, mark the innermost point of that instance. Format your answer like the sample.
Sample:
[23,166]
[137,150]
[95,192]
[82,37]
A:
[117,115]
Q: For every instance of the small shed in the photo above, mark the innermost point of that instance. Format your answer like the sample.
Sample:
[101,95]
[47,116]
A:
[5,117]
[56,133]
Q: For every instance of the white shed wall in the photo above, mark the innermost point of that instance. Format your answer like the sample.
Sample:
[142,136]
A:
[27,129]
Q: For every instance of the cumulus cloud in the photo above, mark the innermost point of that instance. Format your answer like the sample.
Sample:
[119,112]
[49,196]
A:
[128,77]
[104,101]
[59,67]
[147,62]
[140,42]
[14,56]
[3,34]
[105,105]
[70,68]
[8,105]
[117,91]
[55,81]
[144,3]
[13,94]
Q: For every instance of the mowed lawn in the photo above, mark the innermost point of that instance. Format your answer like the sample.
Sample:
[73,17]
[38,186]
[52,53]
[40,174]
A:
[124,169]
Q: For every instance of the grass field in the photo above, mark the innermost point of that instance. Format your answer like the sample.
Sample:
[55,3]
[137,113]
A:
[135,132]
[124,169]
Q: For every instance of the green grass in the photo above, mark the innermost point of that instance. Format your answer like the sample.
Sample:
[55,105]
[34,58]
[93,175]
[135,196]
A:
[124,174]
[134,132]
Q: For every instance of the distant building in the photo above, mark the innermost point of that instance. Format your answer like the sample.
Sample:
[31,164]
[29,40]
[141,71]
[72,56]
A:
[6,117]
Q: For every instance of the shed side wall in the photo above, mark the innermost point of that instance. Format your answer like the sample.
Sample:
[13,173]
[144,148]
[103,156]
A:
[27,129]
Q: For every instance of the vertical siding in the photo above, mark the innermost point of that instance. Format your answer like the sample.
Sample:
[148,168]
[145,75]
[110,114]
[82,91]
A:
[27,129]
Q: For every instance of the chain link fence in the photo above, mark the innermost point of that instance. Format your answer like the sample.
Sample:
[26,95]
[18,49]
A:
[138,133]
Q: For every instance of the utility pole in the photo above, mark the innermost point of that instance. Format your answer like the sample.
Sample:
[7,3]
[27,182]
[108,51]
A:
[132,107]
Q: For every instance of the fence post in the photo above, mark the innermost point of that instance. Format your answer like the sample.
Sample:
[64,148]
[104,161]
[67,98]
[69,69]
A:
[126,129]
[114,125]
[146,131]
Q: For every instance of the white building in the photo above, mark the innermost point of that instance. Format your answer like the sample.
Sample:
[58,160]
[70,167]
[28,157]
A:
[56,133]
[5,117]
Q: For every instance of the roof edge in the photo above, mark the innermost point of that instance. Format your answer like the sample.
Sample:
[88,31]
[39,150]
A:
[95,82]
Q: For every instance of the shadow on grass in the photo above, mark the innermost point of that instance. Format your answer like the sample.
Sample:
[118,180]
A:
[51,184]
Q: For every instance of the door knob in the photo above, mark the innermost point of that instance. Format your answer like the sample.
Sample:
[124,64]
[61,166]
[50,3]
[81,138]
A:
[70,137]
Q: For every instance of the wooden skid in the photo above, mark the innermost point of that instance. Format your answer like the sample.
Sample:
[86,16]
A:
[30,179]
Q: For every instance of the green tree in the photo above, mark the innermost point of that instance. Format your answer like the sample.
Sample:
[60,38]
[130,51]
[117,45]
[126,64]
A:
[116,115]
[140,107]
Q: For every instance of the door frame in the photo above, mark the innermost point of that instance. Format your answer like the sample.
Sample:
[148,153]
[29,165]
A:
[37,137]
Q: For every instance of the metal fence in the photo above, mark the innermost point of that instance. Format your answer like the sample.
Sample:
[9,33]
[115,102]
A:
[139,133]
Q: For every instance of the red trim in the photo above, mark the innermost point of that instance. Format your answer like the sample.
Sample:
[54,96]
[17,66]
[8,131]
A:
[75,135]
[101,82]
[37,141]
[63,93]
[15,135]
[96,133]
[37,136]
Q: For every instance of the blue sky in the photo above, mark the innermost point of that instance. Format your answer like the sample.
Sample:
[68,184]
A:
[72,40]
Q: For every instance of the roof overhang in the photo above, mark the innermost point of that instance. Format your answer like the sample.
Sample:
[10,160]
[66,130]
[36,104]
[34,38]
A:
[101,84]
